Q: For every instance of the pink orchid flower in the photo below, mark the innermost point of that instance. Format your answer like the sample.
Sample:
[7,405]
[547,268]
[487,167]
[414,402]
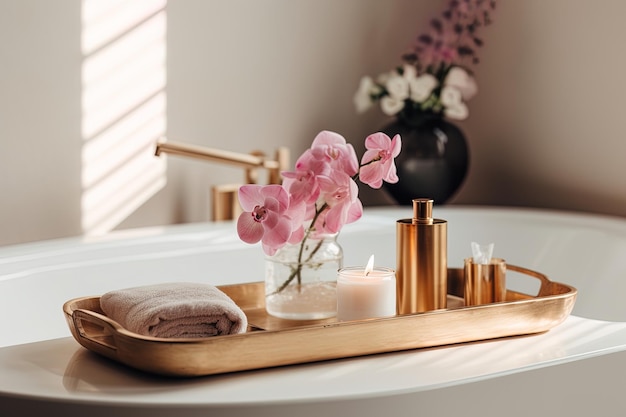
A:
[378,163]
[297,213]
[331,147]
[340,193]
[263,218]
[317,163]
[321,190]
[302,186]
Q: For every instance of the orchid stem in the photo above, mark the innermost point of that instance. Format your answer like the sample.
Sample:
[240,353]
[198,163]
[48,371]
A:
[297,272]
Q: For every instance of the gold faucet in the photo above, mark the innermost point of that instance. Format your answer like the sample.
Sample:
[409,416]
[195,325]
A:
[224,200]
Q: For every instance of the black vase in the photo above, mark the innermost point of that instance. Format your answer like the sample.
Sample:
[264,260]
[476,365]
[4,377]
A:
[433,162]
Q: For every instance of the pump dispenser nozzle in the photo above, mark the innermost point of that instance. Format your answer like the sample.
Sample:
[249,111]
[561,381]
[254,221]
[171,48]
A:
[422,211]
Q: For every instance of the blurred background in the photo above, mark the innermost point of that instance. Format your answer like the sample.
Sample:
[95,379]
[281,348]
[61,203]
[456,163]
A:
[88,86]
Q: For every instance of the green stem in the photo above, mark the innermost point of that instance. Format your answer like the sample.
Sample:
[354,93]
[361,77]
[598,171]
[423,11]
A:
[297,272]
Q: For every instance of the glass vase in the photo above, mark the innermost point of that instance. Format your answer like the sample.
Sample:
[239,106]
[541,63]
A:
[300,279]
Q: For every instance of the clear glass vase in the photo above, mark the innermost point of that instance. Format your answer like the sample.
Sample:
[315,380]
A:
[301,279]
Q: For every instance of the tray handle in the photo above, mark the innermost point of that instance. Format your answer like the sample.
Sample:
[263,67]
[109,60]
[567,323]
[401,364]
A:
[546,288]
[95,331]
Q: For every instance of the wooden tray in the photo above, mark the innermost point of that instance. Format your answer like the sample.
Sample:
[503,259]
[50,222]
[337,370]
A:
[273,342]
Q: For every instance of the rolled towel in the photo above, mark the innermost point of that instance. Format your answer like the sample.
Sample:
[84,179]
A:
[175,310]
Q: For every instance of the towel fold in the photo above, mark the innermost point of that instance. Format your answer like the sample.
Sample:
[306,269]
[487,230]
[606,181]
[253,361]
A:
[175,310]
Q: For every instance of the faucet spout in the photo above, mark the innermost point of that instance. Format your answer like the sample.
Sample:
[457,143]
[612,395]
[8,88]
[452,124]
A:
[210,154]
[225,205]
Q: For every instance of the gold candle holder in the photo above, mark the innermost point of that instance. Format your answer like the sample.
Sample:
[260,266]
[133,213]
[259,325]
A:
[484,283]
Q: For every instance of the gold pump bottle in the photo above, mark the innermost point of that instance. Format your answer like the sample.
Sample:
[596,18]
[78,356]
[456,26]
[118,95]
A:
[422,260]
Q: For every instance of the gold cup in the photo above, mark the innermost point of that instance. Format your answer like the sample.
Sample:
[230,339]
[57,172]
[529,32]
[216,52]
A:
[485,283]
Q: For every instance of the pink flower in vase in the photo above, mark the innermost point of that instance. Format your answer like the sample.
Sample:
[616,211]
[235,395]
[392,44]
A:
[332,149]
[302,186]
[340,193]
[378,163]
[264,216]
[320,196]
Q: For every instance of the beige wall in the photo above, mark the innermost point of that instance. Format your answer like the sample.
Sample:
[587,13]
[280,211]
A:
[545,129]
[39,119]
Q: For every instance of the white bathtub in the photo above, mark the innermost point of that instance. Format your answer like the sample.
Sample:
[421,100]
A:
[576,368]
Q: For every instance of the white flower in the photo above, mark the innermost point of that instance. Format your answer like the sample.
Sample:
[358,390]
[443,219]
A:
[452,100]
[394,89]
[363,97]
[422,87]
[390,105]
[397,87]
[451,96]
[459,111]
[458,78]
[409,72]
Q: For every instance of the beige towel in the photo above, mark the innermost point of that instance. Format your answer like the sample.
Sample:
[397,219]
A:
[175,310]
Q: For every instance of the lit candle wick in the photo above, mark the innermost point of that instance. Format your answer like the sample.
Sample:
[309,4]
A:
[370,266]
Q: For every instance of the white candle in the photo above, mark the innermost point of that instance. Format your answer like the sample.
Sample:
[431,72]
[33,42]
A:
[364,293]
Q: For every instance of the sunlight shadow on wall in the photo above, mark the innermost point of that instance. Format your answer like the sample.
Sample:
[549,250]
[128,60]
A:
[123,108]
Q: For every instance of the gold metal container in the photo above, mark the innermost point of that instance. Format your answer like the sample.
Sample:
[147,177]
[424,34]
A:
[422,260]
[484,283]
